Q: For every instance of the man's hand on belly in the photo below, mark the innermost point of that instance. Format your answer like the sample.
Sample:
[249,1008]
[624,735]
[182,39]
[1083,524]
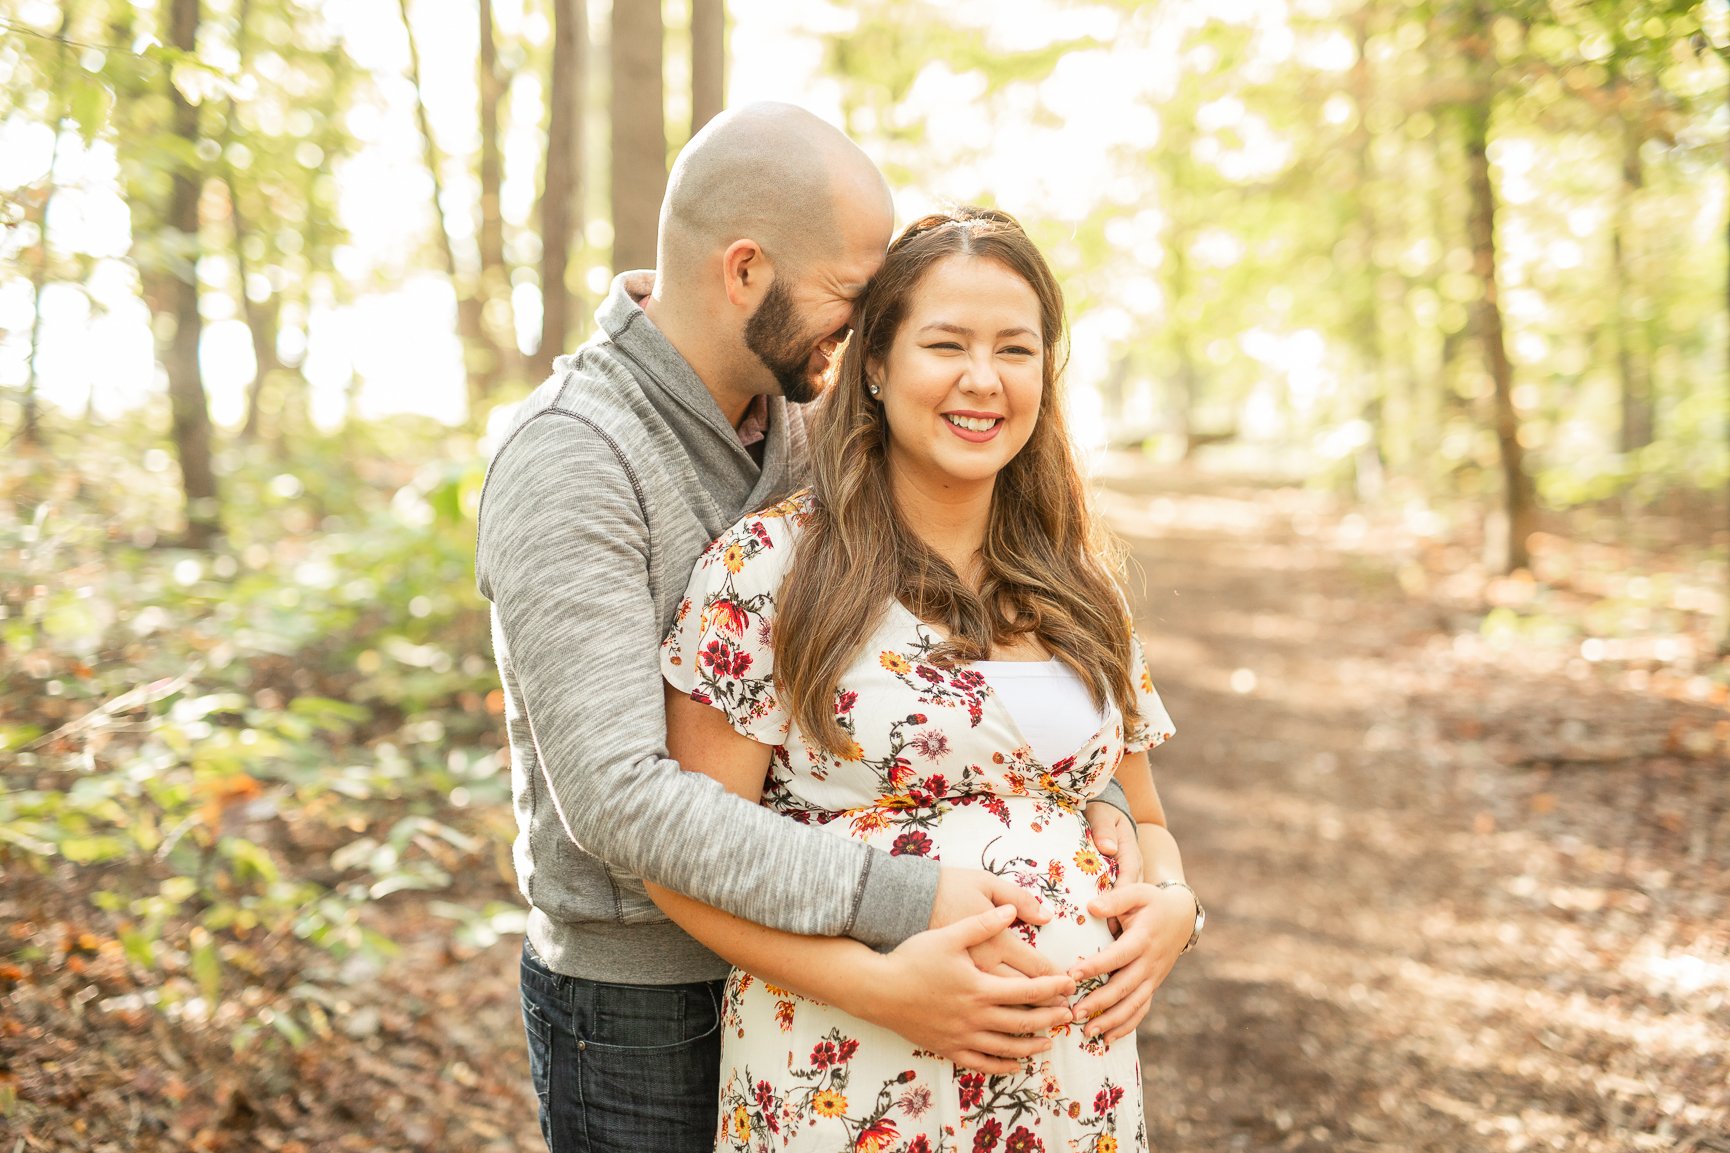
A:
[964,893]
[931,991]
[1114,835]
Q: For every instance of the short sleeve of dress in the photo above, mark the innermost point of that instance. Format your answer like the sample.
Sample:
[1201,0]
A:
[1153,726]
[720,649]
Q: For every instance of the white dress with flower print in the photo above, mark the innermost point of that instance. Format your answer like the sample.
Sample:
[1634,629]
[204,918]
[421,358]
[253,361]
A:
[937,767]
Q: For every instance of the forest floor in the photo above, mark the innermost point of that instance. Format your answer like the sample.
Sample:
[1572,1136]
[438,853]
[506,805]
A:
[1468,889]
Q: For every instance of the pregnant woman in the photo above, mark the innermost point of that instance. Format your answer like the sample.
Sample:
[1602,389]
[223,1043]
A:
[927,651]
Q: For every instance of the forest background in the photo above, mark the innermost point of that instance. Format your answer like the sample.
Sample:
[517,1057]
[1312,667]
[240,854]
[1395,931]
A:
[274,271]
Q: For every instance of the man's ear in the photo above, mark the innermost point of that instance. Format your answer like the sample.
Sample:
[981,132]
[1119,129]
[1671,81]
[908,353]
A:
[746,271]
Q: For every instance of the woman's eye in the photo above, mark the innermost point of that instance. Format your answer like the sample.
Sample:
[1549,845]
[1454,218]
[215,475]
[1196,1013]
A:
[1017,350]
[947,346]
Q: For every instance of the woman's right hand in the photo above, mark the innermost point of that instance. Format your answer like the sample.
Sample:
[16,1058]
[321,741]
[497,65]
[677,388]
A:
[933,992]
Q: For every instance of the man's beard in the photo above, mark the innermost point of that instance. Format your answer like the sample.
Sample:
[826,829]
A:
[773,335]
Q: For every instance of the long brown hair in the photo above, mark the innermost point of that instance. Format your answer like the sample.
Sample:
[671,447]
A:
[1044,563]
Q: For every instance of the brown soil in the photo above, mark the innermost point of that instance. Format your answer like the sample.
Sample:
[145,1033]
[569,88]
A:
[1462,895]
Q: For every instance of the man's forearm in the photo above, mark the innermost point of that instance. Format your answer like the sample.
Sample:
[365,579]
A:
[582,634]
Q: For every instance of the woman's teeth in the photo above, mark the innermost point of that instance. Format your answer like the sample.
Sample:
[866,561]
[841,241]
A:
[972,423]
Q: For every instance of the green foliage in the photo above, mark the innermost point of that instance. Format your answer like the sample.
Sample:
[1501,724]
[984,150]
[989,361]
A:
[190,726]
[1279,253]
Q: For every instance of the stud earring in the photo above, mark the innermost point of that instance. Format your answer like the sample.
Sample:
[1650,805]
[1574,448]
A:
[875,389]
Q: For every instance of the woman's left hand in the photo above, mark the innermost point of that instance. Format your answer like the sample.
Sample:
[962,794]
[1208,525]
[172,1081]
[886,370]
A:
[1156,926]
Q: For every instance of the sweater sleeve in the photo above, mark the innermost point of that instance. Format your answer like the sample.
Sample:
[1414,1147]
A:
[563,554]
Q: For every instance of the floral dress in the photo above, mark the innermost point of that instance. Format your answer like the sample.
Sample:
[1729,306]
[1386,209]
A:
[935,766]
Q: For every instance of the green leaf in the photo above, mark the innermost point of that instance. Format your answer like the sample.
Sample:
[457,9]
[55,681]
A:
[207,970]
[140,947]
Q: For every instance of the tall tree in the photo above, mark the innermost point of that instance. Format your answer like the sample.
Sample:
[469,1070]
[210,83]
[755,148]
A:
[480,356]
[495,278]
[188,403]
[1519,497]
[30,431]
[639,175]
[562,189]
[708,61]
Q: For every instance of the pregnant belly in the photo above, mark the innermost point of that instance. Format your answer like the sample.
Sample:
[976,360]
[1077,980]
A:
[1049,853]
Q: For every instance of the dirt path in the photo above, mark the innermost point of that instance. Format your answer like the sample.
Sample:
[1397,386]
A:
[1462,895]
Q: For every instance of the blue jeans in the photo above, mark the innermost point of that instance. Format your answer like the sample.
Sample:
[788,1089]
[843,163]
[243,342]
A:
[622,1067]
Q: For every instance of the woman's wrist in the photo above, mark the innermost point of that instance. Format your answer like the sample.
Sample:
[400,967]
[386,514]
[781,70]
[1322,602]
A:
[1200,913]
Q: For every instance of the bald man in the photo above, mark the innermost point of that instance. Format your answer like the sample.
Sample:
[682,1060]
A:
[648,442]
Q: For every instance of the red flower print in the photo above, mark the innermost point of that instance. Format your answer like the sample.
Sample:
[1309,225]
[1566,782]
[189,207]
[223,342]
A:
[1063,766]
[845,699]
[972,1090]
[1023,1141]
[1107,1097]
[701,697]
[741,664]
[765,1095]
[936,785]
[718,656]
[912,844]
[928,673]
[848,1047]
[985,1137]
[919,1145]
[874,1137]
[824,1055]
[730,618]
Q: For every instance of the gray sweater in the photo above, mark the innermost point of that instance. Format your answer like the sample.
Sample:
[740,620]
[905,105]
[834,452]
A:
[615,474]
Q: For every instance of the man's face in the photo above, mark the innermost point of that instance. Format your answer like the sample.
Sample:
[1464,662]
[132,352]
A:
[805,315]
[795,354]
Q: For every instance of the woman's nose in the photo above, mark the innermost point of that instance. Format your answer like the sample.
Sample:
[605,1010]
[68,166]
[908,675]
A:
[980,374]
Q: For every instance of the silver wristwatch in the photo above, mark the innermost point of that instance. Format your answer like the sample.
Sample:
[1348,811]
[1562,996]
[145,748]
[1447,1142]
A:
[1200,913]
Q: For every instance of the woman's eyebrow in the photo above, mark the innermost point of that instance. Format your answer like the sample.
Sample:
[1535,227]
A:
[962,330]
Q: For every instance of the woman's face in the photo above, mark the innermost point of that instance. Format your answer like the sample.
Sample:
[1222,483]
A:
[963,378]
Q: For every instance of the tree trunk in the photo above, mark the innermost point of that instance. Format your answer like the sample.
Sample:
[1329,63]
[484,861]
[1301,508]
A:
[1371,460]
[562,189]
[1519,497]
[639,176]
[30,429]
[495,287]
[191,410]
[708,61]
[1632,364]
[1724,635]
[480,358]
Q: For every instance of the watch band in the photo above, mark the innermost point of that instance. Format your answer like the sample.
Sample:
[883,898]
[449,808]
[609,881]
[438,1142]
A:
[1200,913]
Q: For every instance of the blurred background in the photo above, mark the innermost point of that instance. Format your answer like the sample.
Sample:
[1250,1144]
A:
[1401,358]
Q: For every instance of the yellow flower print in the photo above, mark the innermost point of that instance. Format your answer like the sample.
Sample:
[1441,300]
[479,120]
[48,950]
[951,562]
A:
[1107,1144]
[1146,681]
[894,662]
[853,752]
[733,558]
[1088,861]
[742,1123]
[828,1103]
